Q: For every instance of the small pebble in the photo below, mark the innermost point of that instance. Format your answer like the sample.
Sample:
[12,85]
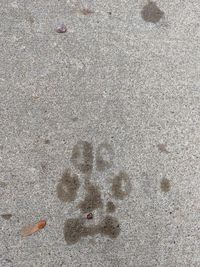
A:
[61,28]
[89,216]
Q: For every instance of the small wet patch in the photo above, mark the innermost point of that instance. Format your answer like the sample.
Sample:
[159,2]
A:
[74,229]
[6,216]
[151,13]
[165,185]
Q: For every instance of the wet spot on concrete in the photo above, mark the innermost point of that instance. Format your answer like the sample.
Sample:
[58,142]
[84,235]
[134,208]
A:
[87,12]
[151,13]
[30,19]
[74,119]
[2,184]
[68,187]
[163,148]
[6,216]
[82,156]
[165,185]
[110,207]
[110,227]
[92,199]
[121,185]
[104,157]
[74,229]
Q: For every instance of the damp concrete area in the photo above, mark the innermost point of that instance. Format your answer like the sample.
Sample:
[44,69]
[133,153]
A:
[99,133]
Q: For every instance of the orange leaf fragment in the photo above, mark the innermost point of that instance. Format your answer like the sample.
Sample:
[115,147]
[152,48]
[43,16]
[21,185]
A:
[31,229]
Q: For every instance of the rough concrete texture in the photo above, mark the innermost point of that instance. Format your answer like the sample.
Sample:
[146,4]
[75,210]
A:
[114,96]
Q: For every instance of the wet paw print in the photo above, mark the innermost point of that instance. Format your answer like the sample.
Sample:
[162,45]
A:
[83,160]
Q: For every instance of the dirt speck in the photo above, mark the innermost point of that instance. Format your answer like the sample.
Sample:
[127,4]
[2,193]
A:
[92,199]
[110,207]
[151,13]
[61,28]
[104,157]
[110,226]
[89,216]
[121,185]
[6,216]
[68,186]
[87,12]
[163,148]
[82,156]
[165,185]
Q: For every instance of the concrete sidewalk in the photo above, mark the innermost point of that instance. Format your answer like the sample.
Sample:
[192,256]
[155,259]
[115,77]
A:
[103,119]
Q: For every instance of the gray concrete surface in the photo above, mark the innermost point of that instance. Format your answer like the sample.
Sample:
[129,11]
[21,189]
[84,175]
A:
[126,75]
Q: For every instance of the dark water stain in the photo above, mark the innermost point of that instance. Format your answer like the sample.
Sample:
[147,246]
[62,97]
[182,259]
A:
[92,199]
[2,184]
[87,11]
[151,13]
[74,119]
[6,216]
[47,141]
[165,185]
[104,157]
[110,226]
[82,156]
[163,148]
[74,229]
[110,206]
[121,185]
[30,19]
[68,187]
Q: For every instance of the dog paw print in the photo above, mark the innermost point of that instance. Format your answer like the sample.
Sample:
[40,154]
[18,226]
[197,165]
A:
[84,160]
